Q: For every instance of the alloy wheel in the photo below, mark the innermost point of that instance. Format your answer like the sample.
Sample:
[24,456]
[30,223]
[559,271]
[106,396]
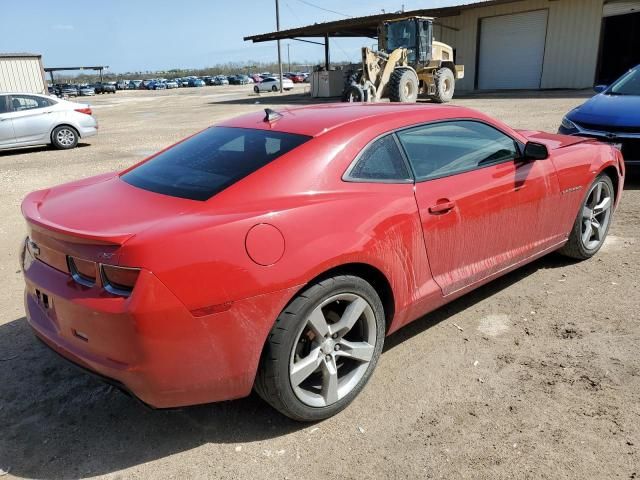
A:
[333,350]
[596,215]
[66,137]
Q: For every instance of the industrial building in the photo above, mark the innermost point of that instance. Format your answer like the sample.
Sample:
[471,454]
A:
[517,44]
[22,72]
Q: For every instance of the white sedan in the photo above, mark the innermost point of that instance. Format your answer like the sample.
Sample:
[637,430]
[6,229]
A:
[28,119]
[272,84]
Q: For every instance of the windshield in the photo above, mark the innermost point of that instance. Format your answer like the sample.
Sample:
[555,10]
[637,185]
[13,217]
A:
[628,84]
[211,161]
[401,34]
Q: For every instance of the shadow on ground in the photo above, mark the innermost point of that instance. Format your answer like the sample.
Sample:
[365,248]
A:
[60,422]
[42,148]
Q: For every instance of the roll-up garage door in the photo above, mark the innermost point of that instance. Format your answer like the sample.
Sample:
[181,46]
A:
[512,50]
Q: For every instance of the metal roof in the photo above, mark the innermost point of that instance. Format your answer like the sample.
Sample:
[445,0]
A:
[19,55]
[366,26]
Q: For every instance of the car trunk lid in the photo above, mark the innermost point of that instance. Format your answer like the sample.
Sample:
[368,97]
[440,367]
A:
[92,218]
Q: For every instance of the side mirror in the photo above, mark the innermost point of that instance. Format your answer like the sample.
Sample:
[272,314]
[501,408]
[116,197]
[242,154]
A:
[535,151]
[599,88]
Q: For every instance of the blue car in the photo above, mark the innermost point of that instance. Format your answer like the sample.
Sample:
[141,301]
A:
[612,116]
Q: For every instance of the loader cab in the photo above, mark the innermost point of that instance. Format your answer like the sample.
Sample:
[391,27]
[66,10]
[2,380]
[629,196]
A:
[415,34]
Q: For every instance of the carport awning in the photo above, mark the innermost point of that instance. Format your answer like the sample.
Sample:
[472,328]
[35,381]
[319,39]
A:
[364,26]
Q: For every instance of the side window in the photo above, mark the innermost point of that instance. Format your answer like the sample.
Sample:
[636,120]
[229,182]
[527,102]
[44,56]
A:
[28,102]
[380,161]
[4,108]
[442,149]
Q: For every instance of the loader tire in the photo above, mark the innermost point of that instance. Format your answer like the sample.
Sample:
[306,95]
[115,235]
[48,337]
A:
[445,85]
[403,86]
[353,93]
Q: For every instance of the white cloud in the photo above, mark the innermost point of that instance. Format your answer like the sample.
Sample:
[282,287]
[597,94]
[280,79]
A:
[62,27]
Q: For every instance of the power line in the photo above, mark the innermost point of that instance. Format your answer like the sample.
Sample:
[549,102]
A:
[293,12]
[325,9]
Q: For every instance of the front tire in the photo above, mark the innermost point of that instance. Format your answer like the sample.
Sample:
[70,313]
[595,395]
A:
[256,89]
[593,221]
[322,349]
[403,86]
[274,89]
[64,137]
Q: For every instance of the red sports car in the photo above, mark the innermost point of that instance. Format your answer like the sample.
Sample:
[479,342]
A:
[276,252]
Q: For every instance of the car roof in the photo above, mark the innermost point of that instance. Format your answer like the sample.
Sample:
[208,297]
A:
[315,120]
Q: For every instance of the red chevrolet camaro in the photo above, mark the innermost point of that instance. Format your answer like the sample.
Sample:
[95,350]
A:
[276,252]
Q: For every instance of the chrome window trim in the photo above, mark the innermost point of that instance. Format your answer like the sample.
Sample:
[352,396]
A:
[611,136]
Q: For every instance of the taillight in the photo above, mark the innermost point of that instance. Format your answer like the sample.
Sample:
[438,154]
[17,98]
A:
[82,271]
[119,280]
[86,111]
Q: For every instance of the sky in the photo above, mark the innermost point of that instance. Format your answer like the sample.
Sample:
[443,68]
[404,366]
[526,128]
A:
[152,35]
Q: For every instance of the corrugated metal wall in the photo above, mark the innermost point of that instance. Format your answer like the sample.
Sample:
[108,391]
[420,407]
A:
[573,39]
[21,74]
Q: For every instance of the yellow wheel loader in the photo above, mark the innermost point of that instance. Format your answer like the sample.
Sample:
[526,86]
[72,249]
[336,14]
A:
[408,62]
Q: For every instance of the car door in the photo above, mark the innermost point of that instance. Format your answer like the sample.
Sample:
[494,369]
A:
[7,137]
[33,118]
[482,207]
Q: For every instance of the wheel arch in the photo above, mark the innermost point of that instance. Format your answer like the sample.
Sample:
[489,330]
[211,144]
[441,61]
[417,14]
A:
[614,175]
[371,275]
[64,124]
[617,178]
[450,65]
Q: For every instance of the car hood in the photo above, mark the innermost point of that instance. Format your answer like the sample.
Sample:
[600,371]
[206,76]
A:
[611,110]
[101,209]
[551,140]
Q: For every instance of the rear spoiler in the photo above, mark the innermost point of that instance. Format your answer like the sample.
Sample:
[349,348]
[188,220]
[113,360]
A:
[30,210]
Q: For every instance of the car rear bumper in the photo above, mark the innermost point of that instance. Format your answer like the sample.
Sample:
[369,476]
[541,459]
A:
[88,131]
[149,343]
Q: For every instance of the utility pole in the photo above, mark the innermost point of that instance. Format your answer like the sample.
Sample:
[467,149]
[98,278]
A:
[278,29]
[288,57]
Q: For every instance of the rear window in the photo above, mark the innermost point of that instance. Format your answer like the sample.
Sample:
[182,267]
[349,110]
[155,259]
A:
[211,161]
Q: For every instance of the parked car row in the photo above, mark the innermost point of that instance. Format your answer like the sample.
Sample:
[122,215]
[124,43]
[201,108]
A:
[83,90]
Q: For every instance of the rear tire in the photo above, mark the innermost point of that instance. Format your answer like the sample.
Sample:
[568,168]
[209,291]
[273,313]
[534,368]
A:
[445,85]
[403,86]
[353,93]
[64,137]
[592,223]
[256,89]
[274,89]
[322,349]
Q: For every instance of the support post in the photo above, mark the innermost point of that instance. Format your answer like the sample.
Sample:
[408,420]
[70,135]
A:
[326,52]
[279,54]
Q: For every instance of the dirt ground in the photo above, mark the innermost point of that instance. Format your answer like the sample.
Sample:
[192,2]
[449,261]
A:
[541,380]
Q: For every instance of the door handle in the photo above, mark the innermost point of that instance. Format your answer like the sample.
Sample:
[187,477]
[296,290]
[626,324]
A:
[442,206]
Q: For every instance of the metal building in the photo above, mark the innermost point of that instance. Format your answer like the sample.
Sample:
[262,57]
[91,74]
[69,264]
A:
[22,72]
[519,44]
